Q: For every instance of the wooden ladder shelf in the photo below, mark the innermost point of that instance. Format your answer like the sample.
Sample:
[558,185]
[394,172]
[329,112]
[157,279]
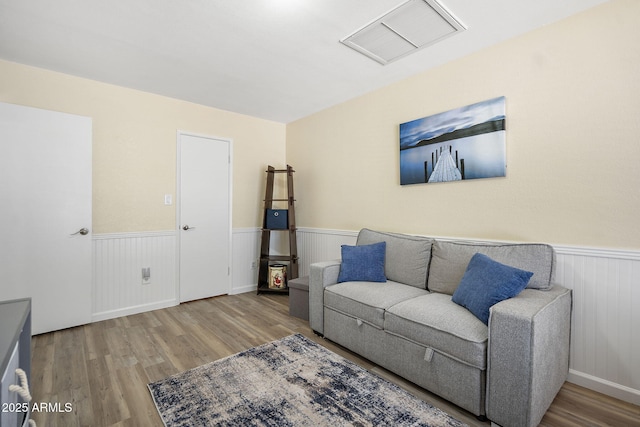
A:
[283,220]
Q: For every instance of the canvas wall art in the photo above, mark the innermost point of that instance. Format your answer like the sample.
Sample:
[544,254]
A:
[460,144]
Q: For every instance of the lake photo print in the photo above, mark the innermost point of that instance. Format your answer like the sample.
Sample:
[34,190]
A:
[459,144]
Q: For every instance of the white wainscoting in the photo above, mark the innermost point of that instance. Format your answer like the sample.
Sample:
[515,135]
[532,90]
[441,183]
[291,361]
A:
[118,260]
[315,245]
[246,253]
[605,335]
[605,342]
[246,256]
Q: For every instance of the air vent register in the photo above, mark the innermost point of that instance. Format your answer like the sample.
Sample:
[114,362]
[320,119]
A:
[408,28]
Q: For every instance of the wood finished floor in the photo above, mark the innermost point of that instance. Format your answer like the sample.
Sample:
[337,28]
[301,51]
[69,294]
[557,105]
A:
[103,368]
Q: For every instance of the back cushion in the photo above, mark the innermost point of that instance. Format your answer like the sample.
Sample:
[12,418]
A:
[407,257]
[450,261]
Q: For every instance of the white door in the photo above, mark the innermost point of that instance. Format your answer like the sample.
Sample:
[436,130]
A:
[45,189]
[204,202]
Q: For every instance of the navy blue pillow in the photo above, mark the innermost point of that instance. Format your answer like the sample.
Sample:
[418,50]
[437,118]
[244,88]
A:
[363,263]
[487,282]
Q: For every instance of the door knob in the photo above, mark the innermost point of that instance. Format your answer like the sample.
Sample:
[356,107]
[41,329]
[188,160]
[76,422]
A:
[83,231]
[186,227]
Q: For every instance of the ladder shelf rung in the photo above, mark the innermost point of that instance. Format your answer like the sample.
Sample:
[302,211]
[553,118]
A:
[280,171]
[278,258]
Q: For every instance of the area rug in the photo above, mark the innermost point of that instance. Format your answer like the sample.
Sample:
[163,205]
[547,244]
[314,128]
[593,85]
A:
[289,382]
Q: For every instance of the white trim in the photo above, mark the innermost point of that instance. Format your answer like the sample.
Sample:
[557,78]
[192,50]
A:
[112,314]
[605,387]
[128,235]
[346,233]
[247,230]
[244,289]
[229,141]
[627,254]
[177,207]
[230,231]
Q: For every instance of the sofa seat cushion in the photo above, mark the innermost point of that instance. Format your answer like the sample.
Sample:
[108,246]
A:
[368,301]
[433,320]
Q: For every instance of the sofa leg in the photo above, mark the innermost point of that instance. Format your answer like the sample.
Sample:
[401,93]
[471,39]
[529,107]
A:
[482,418]
[318,334]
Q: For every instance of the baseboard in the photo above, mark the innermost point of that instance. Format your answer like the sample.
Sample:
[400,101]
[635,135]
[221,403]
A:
[605,387]
[112,314]
[244,289]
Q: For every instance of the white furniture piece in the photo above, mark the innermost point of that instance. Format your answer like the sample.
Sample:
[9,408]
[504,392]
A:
[15,352]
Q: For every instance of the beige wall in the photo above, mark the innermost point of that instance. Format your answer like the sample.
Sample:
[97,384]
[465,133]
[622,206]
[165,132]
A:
[573,98]
[573,149]
[134,146]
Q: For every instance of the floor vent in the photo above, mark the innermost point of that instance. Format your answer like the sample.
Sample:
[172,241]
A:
[406,29]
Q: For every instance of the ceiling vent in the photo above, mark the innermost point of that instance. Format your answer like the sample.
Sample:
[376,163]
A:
[406,29]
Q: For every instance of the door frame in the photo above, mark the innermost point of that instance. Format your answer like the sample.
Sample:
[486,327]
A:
[178,205]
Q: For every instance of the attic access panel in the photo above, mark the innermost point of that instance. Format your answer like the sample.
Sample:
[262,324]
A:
[408,28]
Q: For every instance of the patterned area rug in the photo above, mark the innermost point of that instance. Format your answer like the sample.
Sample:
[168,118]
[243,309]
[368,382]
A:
[288,382]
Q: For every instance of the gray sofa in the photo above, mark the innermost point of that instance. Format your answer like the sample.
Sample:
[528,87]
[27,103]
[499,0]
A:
[508,370]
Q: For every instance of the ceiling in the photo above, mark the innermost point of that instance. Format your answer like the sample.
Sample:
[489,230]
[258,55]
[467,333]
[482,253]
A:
[279,60]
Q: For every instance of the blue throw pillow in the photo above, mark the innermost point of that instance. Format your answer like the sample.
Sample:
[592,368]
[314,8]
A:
[363,263]
[487,282]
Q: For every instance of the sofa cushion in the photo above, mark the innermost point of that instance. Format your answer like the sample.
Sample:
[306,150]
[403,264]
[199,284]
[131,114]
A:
[433,320]
[407,257]
[367,301]
[450,259]
[487,282]
[363,263]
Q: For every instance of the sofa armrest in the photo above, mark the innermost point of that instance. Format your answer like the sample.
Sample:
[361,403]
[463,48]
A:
[528,355]
[321,275]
